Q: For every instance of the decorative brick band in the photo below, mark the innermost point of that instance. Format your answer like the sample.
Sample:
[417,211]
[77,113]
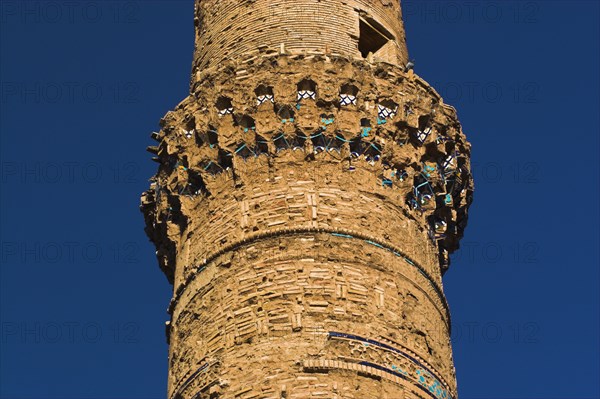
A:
[344,233]
[413,357]
[372,116]
[181,387]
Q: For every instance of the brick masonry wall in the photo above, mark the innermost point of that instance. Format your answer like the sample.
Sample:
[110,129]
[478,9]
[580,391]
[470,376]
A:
[229,28]
[262,314]
[304,209]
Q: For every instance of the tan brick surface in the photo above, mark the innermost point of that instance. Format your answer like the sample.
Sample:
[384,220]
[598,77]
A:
[306,239]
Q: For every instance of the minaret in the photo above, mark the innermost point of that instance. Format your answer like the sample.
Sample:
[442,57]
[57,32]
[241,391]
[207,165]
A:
[309,192]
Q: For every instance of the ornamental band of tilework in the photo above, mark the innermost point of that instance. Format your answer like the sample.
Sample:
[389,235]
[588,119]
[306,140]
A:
[309,192]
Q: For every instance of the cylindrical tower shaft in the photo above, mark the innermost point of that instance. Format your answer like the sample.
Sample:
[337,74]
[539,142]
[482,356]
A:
[310,190]
[230,29]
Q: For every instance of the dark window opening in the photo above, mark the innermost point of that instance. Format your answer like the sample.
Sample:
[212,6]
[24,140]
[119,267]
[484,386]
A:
[196,185]
[372,153]
[211,167]
[373,36]
[225,159]
[286,114]
[262,145]
[264,94]
[387,109]
[190,127]
[199,141]
[349,89]
[298,141]
[423,193]
[337,143]
[212,136]
[243,150]
[281,143]
[319,142]
[247,123]
[356,147]
[424,121]
[348,95]
[307,89]
[449,145]
[224,106]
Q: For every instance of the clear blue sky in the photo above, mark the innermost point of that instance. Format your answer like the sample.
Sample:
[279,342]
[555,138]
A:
[83,85]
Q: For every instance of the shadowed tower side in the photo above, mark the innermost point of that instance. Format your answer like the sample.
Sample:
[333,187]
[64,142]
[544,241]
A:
[309,192]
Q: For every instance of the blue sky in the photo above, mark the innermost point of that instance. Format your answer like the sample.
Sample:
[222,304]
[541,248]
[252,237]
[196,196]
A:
[83,84]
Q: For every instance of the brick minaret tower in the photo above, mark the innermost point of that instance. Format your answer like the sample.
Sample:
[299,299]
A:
[310,190]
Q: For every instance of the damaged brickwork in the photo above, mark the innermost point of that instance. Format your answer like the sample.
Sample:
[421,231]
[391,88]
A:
[305,206]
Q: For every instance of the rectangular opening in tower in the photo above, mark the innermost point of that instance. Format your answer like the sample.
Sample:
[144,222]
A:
[373,36]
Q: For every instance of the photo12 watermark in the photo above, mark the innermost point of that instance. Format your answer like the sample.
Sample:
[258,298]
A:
[491,332]
[69,12]
[68,252]
[490,92]
[518,172]
[69,172]
[69,332]
[69,92]
[492,252]
[472,12]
